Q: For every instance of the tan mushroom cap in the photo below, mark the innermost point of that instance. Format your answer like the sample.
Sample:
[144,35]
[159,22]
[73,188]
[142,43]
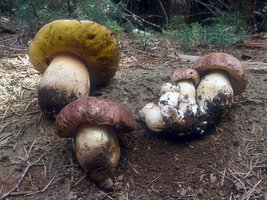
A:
[93,110]
[93,43]
[226,62]
[185,74]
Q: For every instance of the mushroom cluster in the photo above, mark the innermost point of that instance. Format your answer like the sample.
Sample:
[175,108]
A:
[93,123]
[196,98]
[73,56]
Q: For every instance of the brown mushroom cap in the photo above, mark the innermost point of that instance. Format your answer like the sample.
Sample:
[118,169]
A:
[93,110]
[226,62]
[89,41]
[185,74]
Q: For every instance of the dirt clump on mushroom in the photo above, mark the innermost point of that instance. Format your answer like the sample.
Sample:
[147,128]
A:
[202,98]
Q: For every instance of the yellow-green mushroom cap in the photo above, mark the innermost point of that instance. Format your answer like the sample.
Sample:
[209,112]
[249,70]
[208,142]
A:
[93,43]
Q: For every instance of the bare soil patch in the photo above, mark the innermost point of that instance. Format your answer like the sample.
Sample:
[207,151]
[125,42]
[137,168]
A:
[228,162]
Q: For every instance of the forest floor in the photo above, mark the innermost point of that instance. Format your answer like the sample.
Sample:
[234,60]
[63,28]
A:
[228,162]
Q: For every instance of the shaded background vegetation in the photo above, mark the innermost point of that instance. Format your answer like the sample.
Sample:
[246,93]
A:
[219,23]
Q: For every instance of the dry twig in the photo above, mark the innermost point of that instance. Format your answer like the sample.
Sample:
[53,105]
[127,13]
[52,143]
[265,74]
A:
[15,188]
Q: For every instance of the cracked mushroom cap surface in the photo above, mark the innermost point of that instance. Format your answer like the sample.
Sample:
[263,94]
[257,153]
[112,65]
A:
[91,42]
[230,64]
[184,74]
[94,110]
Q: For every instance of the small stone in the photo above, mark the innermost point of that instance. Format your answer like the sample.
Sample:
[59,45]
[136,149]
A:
[200,192]
[213,178]
[120,178]
[72,195]
[3,158]
[183,192]
[106,184]
[238,186]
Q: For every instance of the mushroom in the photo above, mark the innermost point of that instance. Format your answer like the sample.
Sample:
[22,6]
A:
[169,98]
[177,108]
[94,123]
[222,77]
[186,79]
[151,114]
[172,116]
[183,118]
[73,56]
[168,87]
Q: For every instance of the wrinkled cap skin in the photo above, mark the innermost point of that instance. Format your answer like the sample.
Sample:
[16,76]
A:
[226,62]
[94,110]
[185,74]
[93,43]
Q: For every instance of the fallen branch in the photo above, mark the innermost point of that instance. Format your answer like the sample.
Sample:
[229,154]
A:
[6,29]
[15,188]
[30,193]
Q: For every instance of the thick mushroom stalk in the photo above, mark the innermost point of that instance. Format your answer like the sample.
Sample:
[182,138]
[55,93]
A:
[98,151]
[223,76]
[187,97]
[186,79]
[169,98]
[94,122]
[66,52]
[65,80]
[215,92]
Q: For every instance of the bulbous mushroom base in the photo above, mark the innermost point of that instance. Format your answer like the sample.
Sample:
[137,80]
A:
[98,152]
[65,80]
[215,95]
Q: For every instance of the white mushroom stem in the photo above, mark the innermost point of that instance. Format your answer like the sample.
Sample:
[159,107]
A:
[215,91]
[168,87]
[169,98]
[152,116]
[187,99]
[147,107]
[172,116]
[65,80]
[98,151]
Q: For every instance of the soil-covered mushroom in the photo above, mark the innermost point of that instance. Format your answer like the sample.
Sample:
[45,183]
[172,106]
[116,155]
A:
[72,55]
[187,80]
[177,108]
[168,87]
[94,123]
[151,114]
[223,76]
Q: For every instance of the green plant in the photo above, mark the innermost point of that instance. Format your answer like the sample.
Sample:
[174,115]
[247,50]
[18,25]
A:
[177,21]
[224,31]
[223,36]
[37,13]
[116,28]
[143,39]
[189,36]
